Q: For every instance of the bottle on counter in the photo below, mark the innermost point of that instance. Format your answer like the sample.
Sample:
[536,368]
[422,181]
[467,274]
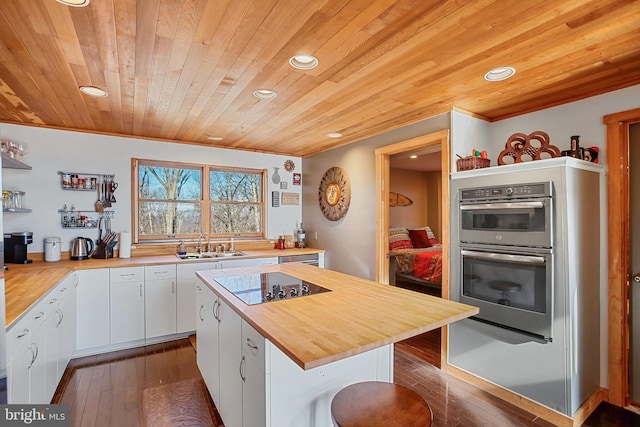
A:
[182,251]
[302,235]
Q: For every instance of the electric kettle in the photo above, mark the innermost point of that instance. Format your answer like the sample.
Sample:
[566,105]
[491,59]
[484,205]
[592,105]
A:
[81,248]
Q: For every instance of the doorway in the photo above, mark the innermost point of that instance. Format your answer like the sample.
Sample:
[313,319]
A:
[619,224]
[382,156]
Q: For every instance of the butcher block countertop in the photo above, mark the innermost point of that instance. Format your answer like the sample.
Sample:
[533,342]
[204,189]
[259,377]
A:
[358,315]
[25,284]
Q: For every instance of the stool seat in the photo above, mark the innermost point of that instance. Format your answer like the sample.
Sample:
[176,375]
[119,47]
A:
[375,403]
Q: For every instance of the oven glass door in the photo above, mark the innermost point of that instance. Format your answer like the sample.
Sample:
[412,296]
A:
[513,289]
[518,223]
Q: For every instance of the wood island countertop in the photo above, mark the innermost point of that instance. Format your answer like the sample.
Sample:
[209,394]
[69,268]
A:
[358,315]
[25,284]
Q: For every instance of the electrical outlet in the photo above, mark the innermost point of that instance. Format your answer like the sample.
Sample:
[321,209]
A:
[316,235]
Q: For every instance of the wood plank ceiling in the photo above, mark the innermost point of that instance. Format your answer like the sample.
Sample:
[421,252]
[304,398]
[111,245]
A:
[183,70]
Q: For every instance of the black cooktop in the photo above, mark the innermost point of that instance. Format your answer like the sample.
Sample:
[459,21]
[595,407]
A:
[267,287]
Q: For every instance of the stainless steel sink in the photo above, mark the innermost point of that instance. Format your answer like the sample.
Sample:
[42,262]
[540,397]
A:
[196,255]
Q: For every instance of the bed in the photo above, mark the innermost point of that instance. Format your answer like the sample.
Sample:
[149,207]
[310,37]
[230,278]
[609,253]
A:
[415,259]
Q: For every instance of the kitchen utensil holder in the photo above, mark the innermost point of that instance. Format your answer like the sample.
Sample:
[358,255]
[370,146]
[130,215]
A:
[90,220]
[103,251]
[67,184]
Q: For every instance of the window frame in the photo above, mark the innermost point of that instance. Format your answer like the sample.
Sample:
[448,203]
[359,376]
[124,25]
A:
[204,202]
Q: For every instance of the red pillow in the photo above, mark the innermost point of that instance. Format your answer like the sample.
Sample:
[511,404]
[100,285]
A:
[419,239]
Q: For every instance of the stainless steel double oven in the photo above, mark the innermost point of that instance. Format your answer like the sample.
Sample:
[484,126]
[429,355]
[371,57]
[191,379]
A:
[504,256]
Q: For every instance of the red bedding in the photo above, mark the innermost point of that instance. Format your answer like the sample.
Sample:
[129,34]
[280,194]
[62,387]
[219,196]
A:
[425,264]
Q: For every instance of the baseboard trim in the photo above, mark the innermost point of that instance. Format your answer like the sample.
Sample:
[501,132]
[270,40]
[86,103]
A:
[529,405]
[127,345]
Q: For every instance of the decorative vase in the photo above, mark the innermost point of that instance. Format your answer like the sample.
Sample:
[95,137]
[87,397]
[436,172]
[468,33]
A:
[275,178]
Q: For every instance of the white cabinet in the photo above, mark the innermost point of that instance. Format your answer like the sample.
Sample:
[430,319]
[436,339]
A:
[41,344]
[127,298]
[48,353]
[230,351]
[267,260]
[254,378]
[207,338]
[160,300]
[231,358]
[66,326]
[186,318]
[92,308]
[39,356]
[19,360]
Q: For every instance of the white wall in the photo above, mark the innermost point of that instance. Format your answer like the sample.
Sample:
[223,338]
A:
[51,151]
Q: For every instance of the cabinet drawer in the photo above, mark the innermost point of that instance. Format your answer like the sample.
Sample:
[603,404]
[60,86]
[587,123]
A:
[18,336]
[253,345]
[126,274]
[37,315]
[158,272]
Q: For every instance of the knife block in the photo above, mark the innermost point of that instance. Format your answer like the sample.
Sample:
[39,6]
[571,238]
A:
[103,251]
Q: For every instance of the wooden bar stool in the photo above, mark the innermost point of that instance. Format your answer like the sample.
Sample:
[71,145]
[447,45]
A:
[375,403]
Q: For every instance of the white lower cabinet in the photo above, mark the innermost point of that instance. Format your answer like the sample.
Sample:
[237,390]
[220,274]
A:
[254,378]
[160,300]
[127,299]
[40,345]
[234,375]
[92,309]
[187,281]
[207,338]
[230,351]
[66,324]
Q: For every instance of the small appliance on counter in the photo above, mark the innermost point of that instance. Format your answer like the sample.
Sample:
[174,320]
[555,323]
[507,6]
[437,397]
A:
[81,248]
[52,249]
[15,247]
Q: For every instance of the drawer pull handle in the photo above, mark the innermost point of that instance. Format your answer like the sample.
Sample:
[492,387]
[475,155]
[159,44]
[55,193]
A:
[24,332]
[39,315]
[252,345]
[53,300]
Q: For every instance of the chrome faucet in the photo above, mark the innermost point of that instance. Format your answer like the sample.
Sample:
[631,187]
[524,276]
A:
[199,245]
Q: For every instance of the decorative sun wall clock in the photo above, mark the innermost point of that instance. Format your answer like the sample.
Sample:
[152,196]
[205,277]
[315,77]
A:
[334,194]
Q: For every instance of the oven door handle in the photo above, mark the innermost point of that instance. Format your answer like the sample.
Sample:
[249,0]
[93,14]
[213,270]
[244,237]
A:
[507,205]
[531,259]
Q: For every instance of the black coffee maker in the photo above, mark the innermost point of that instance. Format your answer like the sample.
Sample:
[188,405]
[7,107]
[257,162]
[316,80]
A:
[15,247]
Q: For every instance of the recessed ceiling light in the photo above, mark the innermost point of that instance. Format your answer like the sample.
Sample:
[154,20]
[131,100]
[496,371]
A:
[93,91]
[413,156]
[334,135]
[74,3]
[214,138]
[264,94]
[303,62]
[500,73]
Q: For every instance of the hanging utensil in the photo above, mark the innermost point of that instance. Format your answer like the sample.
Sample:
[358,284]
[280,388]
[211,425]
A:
[100,201]
[100,225]
[112,187]
[106,201]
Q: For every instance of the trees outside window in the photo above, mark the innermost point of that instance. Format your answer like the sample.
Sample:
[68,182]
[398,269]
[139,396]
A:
[180,201]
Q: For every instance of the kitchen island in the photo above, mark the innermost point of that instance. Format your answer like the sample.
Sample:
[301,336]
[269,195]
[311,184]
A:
[281,362]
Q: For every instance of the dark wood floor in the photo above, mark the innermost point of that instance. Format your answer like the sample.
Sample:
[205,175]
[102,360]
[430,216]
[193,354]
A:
[106,390]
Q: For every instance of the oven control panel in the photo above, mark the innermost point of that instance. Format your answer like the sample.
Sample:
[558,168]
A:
[540,189]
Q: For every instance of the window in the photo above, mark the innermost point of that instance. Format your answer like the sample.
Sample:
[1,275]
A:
[180,201]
